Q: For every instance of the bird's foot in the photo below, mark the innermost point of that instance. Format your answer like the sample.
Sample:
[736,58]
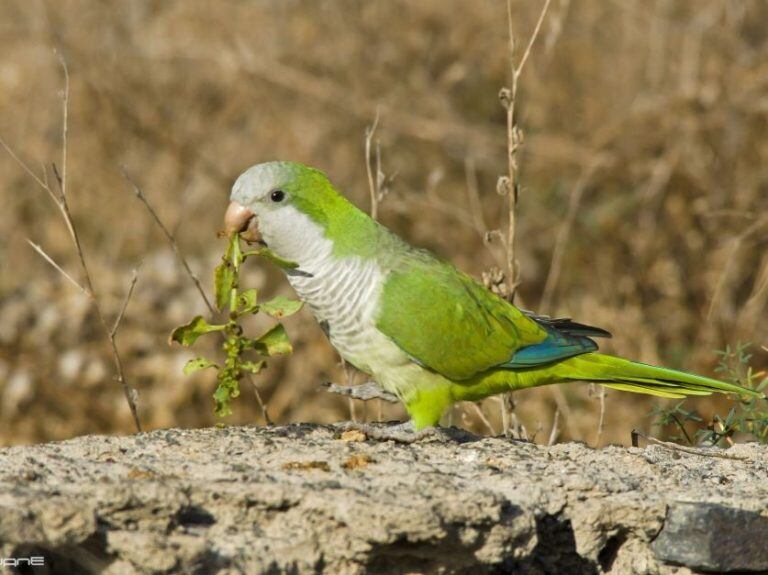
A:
[405,433]
[365,391]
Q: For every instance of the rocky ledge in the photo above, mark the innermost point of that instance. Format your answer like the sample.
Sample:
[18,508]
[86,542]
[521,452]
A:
[307,499]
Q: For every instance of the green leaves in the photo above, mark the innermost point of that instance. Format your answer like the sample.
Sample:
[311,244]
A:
[253,366]
[280,307]
[225,275]
[234,344]
[228,389]
[223,283]
[198,363]
[265,252]
[273,342]
[187,334]
[748,416]
[246,302]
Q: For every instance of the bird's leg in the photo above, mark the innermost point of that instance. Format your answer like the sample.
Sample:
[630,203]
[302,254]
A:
[365,391]
[405,433]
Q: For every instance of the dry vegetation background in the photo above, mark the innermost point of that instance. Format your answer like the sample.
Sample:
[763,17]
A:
[646,151]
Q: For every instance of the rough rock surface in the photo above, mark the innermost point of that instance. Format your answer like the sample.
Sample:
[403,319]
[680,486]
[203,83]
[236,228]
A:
[299,499]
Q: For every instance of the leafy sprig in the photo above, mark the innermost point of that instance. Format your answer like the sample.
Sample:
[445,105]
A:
[235,344]
[748,417]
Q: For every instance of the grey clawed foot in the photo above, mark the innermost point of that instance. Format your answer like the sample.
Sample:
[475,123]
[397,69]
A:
[405,433]
[365,391]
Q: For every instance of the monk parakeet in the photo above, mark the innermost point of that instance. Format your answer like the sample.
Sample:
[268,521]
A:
[424,331]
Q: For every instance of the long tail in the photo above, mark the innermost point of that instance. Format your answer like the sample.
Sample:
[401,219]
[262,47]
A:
[626,375]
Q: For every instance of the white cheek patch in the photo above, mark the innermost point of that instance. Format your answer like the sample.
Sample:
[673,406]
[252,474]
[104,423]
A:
[292,235]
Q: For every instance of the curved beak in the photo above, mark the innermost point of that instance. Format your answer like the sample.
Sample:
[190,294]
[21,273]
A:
[239,219]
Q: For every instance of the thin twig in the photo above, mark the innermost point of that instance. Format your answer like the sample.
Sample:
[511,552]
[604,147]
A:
[62,204]
[119,318]
[44,171]
[483,418]
[504,416]
[57,267]
[26,168]
[64,125]
[689,450]
[561,400]
[349,381]
[601,420]
[372,180]
[555,429]
[509,185]
[722,432]
[535,34]
[185,264]
[511,425]
[64,208]
[681,427]
[62,178]
[477,219]
[130,393]
[539,429]
[519,430]
[43,183]
[171,239]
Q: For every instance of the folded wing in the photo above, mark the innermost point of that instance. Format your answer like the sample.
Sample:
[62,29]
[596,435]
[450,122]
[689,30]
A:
[447,322]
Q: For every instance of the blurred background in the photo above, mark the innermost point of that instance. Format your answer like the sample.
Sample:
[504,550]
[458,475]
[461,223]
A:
[645,153]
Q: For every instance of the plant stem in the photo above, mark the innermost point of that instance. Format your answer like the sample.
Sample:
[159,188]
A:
[185,264]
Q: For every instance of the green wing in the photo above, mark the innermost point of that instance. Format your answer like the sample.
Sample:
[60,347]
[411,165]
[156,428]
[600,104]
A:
[446,321]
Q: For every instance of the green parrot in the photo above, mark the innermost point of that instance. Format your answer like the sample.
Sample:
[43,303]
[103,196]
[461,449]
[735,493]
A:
[427,333]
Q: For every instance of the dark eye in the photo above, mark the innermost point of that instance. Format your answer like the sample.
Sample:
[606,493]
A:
[277,196]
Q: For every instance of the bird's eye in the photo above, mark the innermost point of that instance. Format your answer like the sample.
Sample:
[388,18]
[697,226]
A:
[277,196]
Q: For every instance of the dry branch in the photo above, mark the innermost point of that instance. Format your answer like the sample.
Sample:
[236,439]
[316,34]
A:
[373,184]
[555,428]
[57,267]
[62,203]
[481,416]
[509,185]
[126,300]
[171,239]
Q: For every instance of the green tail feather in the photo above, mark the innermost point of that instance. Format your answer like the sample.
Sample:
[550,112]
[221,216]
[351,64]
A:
[626,375]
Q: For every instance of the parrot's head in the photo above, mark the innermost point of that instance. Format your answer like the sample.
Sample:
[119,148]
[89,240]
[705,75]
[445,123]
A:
[285,205]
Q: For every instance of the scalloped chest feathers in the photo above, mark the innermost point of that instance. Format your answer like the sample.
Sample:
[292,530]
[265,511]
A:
[343,295]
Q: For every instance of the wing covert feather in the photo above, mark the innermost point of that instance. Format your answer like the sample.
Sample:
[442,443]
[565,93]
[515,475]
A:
[446,321]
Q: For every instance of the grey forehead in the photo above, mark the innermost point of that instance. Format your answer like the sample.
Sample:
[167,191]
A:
[260,178]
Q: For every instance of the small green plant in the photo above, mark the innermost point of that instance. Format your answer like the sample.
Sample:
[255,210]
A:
[235,344]
[678,417]
[748,416]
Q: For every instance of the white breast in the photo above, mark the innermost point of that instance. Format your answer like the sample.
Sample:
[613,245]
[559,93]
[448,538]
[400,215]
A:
[343,296]
[342,293]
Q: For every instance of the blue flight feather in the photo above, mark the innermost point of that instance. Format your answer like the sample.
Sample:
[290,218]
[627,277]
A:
[555,348]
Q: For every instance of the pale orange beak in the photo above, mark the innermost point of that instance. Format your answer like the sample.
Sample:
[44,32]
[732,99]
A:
[239,219]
